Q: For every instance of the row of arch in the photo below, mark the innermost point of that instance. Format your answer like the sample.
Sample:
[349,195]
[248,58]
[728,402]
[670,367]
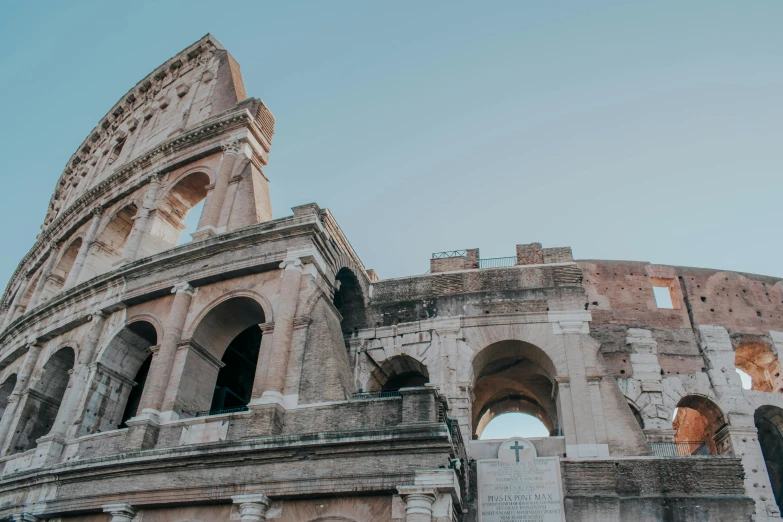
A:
[110,242]
[218,378]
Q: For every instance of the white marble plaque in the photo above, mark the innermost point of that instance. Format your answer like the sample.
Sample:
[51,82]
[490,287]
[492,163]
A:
[519,486]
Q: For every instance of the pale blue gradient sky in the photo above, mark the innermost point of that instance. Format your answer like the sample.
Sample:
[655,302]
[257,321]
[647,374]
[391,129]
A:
[627,130]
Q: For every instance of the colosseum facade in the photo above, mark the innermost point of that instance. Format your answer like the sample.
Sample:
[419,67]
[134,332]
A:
[261,372]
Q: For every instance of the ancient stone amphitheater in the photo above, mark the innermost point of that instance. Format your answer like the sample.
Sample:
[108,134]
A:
[261,372]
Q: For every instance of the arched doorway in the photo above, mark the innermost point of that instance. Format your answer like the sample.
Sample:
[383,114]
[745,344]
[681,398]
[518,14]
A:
[769,423]
[761,365]
[513,377]
[107,250]
[5,392]
[349,301]
[400,371]
[230,333]
[698,424]
[43,400]
[119,378]
[176,215]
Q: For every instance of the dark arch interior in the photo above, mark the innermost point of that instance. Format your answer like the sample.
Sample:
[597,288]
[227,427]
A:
[349,302]
[400,371]
[235,380]
[231,332]
[40,408]
[513,376]
[769,423]
[5,392]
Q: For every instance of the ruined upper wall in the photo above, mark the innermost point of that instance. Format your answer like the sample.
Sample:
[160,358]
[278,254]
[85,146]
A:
[177,95]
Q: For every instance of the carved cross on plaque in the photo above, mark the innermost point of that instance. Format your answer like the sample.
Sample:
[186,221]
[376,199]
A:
[516,447]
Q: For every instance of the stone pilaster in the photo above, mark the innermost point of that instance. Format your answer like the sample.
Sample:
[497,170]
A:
[213,206]
[142,429]
[50,446]
[10,417]
[647,370]
[38,294]
[745,445]
[81,256]
[571,326]
[120,512]
[252,507]
[418,502]
[139,231]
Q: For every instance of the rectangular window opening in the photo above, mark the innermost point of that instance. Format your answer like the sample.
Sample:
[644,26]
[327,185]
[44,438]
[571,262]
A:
[663,296]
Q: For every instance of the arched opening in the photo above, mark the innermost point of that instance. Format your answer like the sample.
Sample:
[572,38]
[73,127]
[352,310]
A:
[400,371]
[513,377]
[636,415]
[762,365]
[698,424]
[228,333]
[349,302]
[42,401]
[60,272]
[514,424]
[176,215]
[25,301]
[119,378]
[107,250]
[5,392]
[769,423]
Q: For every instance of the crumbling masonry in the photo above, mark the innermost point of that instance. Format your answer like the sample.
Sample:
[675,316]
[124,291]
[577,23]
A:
[260,372]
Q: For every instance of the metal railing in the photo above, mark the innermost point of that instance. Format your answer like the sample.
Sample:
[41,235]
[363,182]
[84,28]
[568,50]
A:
[209,413]
[498,262]
[391,394]
[449,253]
[679,449]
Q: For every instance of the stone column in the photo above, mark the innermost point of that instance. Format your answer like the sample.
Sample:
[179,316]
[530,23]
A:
[50,446]
[15,307]
[22,380]
[418,502]
[81,256]
[162,363]
[120,512]
[46,271]
[268,407]
[213,206]
[284,329]
[253,507]
[745,445]
[131,250]
[571,326]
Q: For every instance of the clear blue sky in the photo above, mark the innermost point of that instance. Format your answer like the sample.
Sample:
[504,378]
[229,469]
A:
[627,130]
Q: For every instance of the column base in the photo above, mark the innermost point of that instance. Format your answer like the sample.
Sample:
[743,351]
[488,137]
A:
[587,451]
[266,419]
[204,233]
[48,451]
[142,431]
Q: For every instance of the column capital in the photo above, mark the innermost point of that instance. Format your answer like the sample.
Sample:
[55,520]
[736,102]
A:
[97,210]
[183,287]
[292,264]
[233,146]
[96,315]
[252,507]
[120,512]
[24,517]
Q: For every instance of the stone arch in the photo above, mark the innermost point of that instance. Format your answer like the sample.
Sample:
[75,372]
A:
[42,400]
[769,423]
[398,372]
[149,318]
[699,419]
[107,249]
[182,195]
[118,378]
[223,356]
[636,412]
[350,301]
[513,376]
[63,266]
[5,392]
[762,365]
